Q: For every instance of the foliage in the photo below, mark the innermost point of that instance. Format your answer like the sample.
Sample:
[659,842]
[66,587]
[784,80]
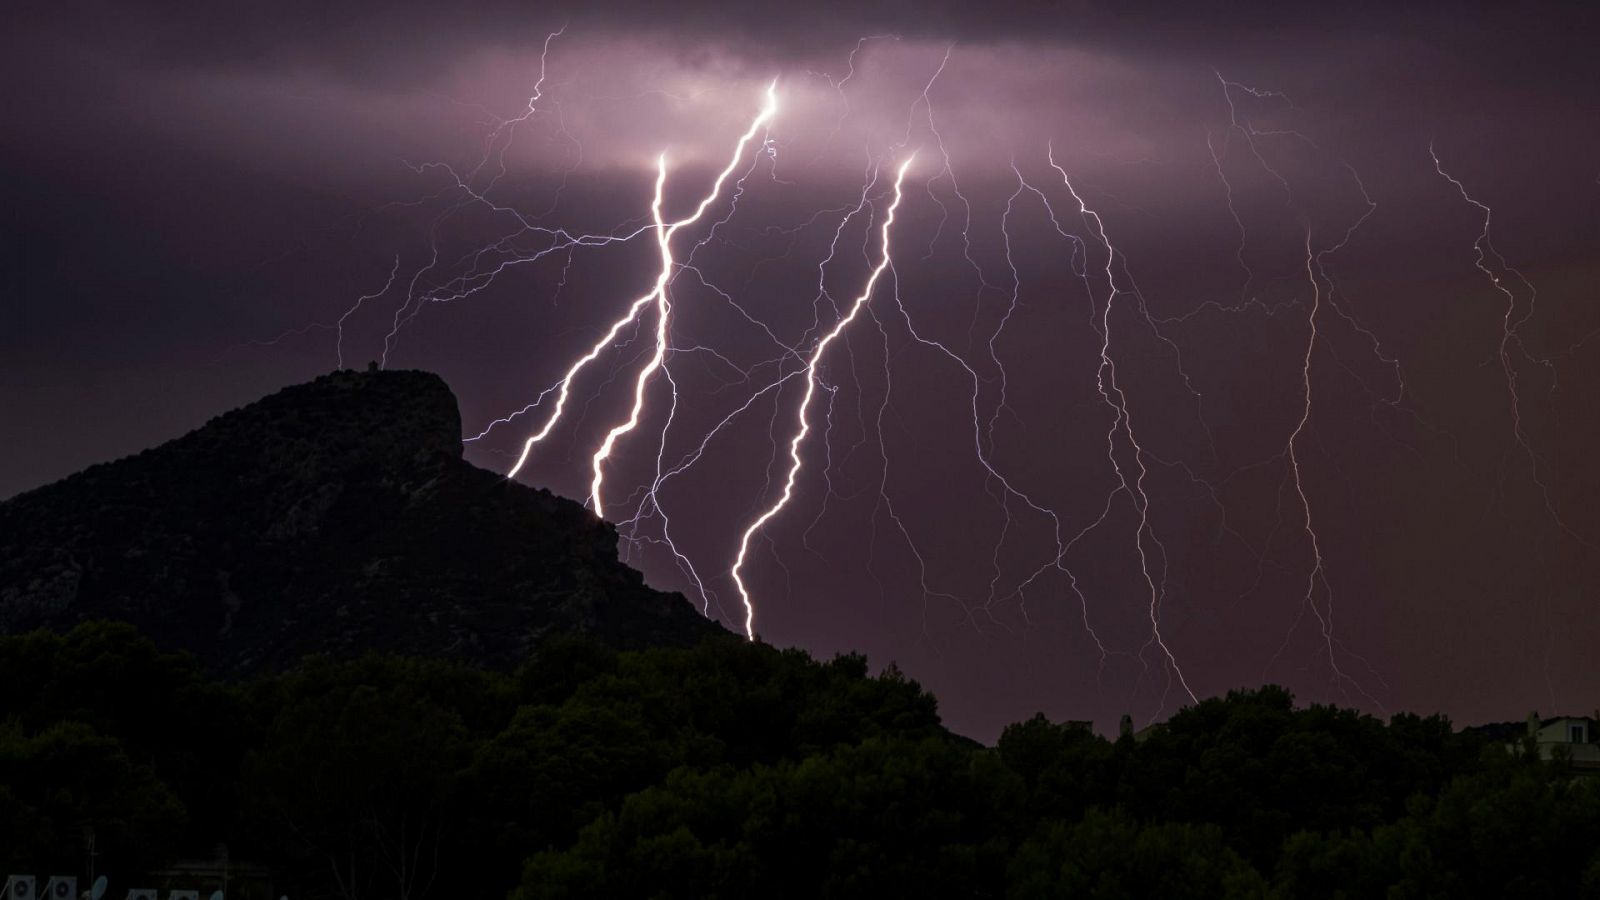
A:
[733,769]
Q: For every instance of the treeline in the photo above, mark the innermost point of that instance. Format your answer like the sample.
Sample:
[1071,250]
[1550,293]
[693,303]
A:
[736,770]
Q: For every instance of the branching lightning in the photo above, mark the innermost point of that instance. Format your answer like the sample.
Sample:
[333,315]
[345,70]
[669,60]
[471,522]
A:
[658,296]
[1047,536]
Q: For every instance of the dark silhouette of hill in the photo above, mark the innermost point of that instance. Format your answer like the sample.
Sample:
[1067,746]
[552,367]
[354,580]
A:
[331,517]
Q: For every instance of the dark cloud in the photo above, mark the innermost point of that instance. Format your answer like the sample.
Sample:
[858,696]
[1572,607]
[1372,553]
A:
[373,38]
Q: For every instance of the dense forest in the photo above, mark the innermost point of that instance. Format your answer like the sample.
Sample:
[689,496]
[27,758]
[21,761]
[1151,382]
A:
[735,770]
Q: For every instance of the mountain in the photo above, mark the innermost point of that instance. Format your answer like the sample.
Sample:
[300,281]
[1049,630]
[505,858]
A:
[331,517]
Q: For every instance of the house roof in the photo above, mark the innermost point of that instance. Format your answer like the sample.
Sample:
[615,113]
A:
[1545,723]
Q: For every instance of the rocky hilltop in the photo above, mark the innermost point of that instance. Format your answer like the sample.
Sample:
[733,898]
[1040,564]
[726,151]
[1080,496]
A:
[331,517]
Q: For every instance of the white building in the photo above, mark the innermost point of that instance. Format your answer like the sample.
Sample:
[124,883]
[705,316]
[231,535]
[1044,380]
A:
[1574,737]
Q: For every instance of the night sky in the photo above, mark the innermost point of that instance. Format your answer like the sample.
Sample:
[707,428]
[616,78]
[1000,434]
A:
[194,204]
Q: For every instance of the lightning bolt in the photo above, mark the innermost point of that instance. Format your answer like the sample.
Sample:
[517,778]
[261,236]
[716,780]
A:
[658,295]
[802,412]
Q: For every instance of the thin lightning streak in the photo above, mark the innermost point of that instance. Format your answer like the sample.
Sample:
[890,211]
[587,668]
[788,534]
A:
[476,278]
[1511,324]
[339,325]
[1318,574]
[803,421]
[947,171]
[884,503]
[508,127]
[1227,186]
[1316,275]
[1001,403]
[1249,130]
[993,473]
[839,86]
[1106,381]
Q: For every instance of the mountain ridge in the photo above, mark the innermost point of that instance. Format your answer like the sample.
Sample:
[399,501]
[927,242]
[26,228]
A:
[335,516]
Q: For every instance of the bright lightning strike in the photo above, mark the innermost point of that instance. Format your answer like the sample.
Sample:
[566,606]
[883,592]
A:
[1133,454]
[658,296]
[802,412]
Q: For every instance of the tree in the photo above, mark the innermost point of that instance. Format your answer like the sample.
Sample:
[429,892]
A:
[1108,856]
[354,786]
[58,784]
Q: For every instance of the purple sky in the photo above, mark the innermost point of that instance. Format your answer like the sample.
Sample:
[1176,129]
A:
[194,202]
